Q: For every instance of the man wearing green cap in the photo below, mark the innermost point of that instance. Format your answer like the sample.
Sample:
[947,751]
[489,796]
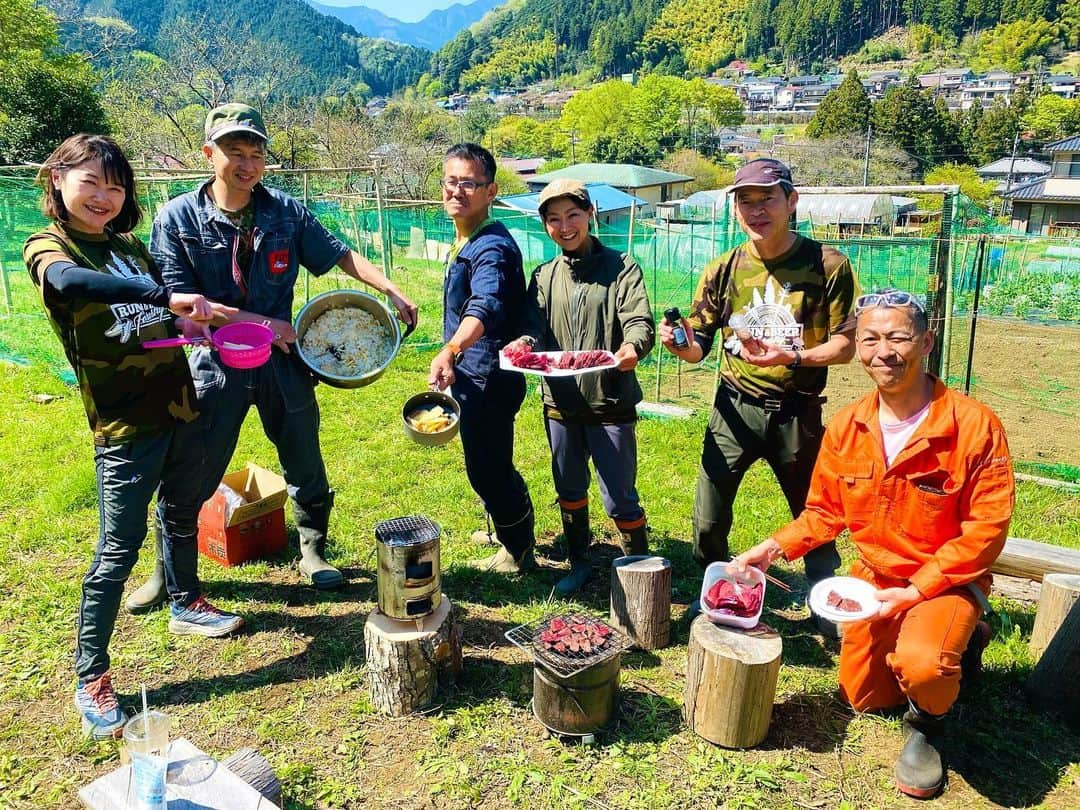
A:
[246,242]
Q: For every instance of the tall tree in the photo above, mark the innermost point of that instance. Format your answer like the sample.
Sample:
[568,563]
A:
[843,110]
[45,95]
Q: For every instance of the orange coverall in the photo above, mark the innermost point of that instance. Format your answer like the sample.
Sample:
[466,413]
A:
[935,518]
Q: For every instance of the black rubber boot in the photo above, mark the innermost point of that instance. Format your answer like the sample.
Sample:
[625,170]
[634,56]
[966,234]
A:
[971,660]
[312,522]
[152,593]
[578,538]
[516,554]
[633,541]
[920,768]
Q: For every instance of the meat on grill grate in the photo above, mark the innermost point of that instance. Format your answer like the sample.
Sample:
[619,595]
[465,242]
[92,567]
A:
[574,634]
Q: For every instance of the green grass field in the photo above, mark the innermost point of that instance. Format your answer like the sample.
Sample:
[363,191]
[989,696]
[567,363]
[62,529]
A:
[293,684]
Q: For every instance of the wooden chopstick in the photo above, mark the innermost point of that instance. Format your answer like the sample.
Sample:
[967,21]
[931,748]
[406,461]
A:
[779,583]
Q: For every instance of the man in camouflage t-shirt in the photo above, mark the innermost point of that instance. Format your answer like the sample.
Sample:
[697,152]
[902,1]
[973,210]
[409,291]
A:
[792,301]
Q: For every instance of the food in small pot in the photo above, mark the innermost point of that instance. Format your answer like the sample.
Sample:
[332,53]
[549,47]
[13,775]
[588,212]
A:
[347,342]
[434,419]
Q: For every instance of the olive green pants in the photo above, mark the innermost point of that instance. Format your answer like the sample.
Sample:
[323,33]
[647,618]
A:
[787,434]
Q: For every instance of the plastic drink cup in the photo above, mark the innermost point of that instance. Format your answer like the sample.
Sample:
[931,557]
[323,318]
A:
[741,328]
[146,738]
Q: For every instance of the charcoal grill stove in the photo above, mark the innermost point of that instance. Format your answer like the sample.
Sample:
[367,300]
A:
[409,582]
[574,693]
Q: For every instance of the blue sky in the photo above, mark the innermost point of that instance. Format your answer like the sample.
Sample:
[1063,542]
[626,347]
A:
[404,10]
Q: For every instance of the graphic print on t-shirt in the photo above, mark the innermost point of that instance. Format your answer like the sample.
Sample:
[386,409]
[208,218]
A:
[770,319]
[130,318]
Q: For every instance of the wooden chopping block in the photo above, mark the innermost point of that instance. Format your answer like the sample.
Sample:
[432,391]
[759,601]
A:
[641,599]
[731,679]
[406,664]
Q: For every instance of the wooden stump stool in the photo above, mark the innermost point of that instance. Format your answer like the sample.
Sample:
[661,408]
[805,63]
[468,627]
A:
[406,664]
[731,682]
[641,599]
[252,767]
[1055,644]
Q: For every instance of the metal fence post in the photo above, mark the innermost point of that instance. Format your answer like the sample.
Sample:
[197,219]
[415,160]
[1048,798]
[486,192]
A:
[980,258]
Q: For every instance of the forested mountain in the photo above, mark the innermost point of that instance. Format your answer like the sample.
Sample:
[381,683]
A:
[432,32]
[532,39]
[329,53]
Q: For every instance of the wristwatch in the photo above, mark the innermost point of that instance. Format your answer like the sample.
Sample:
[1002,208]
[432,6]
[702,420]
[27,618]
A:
[456,353]
[794,364]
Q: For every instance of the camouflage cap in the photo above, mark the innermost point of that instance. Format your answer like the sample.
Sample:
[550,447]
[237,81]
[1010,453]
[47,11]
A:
[566,187]
[763,172]
[229,119]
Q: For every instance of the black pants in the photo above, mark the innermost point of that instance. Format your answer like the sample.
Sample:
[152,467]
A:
[487,439]
[740,432]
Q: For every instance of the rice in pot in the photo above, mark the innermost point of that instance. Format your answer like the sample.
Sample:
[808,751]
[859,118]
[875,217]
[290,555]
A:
[347,342]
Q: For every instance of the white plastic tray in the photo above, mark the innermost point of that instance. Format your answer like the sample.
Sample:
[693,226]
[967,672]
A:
[848,588]
[718,570]
[506,365]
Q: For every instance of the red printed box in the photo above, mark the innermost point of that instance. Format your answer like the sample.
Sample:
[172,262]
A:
[255,529]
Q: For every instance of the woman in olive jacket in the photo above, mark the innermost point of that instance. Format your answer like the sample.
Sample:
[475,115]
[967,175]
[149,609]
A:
[590,297]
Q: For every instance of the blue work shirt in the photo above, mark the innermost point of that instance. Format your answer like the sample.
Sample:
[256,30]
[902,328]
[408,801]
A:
[485,280]
[192,243]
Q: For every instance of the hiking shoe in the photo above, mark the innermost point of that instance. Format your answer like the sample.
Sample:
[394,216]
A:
[102,717]
[484,537]
[200,618]
[503,562]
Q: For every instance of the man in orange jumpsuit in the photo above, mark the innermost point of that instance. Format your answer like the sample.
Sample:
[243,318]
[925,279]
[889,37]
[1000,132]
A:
[921,477]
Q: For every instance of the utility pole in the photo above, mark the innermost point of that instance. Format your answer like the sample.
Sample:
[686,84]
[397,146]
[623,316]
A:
[572,132]
[1012,165]
[866,157]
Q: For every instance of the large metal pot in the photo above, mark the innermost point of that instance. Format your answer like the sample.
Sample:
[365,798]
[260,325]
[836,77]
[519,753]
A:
[339,299]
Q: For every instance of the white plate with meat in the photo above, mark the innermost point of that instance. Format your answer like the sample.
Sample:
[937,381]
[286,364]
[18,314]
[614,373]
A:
[844,599]
[558,364]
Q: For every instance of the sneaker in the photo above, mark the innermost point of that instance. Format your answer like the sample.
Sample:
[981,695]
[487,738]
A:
[102,717]
[200,618]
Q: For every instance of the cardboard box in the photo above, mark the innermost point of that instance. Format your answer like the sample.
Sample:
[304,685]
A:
[256,529]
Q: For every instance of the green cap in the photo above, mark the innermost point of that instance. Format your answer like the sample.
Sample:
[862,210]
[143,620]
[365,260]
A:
[232,118]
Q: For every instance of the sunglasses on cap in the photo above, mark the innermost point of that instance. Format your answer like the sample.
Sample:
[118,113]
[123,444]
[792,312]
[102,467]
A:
[888,298]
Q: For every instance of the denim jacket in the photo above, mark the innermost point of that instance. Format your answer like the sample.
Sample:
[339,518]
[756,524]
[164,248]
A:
[485,280]
[192,244]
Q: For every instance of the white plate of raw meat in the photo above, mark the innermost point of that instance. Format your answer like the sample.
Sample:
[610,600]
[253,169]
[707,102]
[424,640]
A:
[558,364]
[844,599]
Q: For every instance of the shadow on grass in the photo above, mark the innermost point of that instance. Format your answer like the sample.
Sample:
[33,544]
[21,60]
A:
[815,721]
[1009,752]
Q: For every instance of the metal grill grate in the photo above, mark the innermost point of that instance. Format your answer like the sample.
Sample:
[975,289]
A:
[568,663]
[407,531]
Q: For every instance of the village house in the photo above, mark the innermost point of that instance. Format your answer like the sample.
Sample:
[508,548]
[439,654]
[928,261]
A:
[651,186]
[1051,204]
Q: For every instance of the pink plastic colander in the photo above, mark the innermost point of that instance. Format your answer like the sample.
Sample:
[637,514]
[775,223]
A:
[241,345]
[244,344]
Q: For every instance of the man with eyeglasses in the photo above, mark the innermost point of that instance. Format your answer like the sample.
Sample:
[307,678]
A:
[246,242]
[790,299]
[484,299]
[922,479]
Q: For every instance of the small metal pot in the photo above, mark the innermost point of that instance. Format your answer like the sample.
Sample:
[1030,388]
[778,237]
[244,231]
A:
[423,400]
[339,299]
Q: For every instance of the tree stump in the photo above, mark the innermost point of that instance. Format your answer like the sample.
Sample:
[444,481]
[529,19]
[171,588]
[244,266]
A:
[1059,593]
[1052,684]
[252,767]
[731,682]
[406,664]
[641,599]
